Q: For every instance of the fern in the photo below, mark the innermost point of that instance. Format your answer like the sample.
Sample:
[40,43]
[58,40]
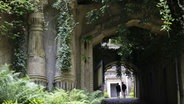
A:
[56,97]
[74,96]
[13,89]
[78,95]
[95,97]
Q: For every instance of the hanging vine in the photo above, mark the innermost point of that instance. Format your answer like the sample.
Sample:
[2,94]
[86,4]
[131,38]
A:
[13,17]
[166,15]
[65,27]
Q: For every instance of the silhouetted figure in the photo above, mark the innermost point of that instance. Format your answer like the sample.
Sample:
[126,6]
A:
[118,89]
[123,89]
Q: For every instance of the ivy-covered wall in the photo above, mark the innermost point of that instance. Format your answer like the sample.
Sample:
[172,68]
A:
[83,66]
[13,30]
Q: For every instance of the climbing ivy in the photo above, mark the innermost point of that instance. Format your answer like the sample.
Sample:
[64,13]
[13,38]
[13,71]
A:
[141,47]
[13,16]
[19,54]
[13,12]
[166,15]
[144,9]
[65,27]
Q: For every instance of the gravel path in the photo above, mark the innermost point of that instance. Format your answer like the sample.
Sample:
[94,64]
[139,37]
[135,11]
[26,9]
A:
[122,101]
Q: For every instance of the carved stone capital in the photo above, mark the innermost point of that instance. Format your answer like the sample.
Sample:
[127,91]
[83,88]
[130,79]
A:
[36,21]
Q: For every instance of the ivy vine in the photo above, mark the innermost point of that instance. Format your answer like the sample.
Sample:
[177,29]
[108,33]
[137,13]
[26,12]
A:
[13,25]
[19,55]
[65,27]
[166,15]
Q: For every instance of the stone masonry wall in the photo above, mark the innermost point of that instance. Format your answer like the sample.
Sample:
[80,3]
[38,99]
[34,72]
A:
[5,51]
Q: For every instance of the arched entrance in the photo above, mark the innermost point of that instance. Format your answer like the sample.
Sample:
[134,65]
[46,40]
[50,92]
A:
[152,76]
[111,79]
[95,59]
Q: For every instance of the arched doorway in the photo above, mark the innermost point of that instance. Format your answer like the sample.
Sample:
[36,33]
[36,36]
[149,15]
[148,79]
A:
[150,76]
[111,79]
[105,68]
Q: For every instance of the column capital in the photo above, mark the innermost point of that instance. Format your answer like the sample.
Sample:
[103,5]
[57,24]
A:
[36,19]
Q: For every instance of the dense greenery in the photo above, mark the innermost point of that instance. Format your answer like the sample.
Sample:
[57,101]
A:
[19,56]
[17,90]
[166,15]
[65,28]
[14,90]
[131,95]
[16,11]
[15,27]
[13,21]
[145,10]
[140,46]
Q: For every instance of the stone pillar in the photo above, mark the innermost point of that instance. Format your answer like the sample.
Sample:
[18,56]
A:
[87,66]
[90,72]
[36,61]
[67,80]
[64,80]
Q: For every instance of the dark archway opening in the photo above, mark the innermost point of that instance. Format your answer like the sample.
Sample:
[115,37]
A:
[111,79]
[105,62]
[155,72]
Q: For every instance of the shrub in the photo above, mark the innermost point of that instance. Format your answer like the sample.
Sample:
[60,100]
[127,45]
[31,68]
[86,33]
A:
[17,90]
[106,95]
[132,92]
[14,90]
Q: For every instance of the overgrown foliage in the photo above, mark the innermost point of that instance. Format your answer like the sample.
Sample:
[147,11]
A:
[17,90]
[132,95]
[21,91]
[65,27]
[74,96]
[19,60]
[145,10]
[13,13]
[141,47]
[13,21]
[166,15]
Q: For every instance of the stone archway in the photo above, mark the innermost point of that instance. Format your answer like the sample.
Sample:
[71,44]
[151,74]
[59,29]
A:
[82,56]
[98,34]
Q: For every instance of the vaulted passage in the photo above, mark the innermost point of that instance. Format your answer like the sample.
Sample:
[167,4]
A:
[155,74]
[83,43]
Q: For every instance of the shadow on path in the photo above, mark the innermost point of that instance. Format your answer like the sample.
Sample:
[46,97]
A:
[122,101]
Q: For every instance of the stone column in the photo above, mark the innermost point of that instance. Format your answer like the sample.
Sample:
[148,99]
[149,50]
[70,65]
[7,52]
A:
[64,80]
[87,66]
[36,61]
[67,80]
[90,68]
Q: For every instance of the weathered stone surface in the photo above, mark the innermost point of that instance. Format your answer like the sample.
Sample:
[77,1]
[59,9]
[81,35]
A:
[6,51]
[64,80]
[50,44]
[36,61]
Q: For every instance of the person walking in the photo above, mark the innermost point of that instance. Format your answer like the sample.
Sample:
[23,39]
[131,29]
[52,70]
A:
[123,89]
[118,90]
